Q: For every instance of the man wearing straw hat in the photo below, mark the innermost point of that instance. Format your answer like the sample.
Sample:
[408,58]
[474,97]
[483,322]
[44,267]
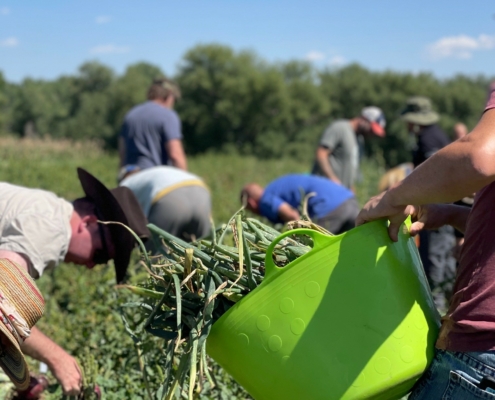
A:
[38,230]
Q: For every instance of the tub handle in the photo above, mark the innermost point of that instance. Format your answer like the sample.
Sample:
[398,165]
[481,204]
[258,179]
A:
[319,240]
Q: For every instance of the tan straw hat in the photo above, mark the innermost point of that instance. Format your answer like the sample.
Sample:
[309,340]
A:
[21,305]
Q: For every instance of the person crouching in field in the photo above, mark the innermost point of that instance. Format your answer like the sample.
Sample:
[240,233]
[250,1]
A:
[464,363]
[333,206]
[174,200]
[39,230]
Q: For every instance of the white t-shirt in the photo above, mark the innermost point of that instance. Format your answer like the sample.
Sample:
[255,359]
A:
[150,184]
[36,224]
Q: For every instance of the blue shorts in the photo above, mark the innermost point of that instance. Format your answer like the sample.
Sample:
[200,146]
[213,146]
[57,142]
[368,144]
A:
[457,376]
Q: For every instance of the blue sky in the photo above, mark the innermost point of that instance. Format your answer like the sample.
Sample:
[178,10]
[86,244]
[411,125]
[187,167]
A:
[48,38]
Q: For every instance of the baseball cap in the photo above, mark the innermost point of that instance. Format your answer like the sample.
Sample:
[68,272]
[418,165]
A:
[377,119]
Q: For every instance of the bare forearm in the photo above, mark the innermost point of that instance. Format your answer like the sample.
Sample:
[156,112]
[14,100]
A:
[286,213]
[41,347]
[456,171]
[326,168]
[322,155]
[456,216]
[63,366]
[176,154]
[180,162]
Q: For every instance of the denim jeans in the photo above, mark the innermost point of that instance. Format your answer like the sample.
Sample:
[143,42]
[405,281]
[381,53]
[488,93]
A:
[457,376]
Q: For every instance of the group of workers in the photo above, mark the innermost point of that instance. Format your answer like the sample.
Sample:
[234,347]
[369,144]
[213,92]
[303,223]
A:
[38,229]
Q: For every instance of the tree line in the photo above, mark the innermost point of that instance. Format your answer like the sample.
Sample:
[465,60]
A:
[236,101]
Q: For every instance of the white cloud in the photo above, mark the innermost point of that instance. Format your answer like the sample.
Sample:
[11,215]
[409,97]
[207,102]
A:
[109,49]
[9,42]
[315,56]
[4,11]
[337,61]
[103,19]
[461,47]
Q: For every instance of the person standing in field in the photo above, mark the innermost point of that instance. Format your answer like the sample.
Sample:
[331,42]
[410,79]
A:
[174,200]
[151,133]
[435,247]
[464,363]
[39,230]
[331,206]
[337,155]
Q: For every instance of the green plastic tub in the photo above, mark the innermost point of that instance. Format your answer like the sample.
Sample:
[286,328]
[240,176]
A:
[352,319]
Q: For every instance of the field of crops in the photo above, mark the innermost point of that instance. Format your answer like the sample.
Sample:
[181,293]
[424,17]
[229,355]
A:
[83,307]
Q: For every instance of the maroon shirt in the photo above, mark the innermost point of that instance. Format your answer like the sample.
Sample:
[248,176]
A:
[469,325]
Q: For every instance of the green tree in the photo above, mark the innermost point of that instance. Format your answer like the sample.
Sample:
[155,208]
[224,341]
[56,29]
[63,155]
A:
[235,100]
[4,105]
[40,105]
[229,98]
[308,112]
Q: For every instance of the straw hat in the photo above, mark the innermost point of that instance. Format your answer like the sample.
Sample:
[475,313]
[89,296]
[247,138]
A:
[21,305]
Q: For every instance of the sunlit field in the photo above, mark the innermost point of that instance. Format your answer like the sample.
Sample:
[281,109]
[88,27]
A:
[82,307]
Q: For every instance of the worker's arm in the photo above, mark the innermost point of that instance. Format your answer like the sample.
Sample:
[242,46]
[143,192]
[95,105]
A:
[63,366]
[434,216]
[176,153]
[287,213]
[322,154]
[16,258]
[456,171]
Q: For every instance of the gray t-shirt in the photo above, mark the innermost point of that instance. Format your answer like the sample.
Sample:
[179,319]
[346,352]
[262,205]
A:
[340,138]
[146,129]
[36,224]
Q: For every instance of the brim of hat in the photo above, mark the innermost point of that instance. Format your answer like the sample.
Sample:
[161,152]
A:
[12,360]
[424,119]
[110,210]
[377,129]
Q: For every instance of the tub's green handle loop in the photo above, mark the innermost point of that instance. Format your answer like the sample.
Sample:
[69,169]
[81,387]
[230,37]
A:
[319,240]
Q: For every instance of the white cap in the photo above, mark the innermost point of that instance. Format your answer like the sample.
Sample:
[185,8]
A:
[377,119]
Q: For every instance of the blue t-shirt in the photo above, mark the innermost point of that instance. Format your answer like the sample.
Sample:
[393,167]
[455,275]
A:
[146,129]
[292,188]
